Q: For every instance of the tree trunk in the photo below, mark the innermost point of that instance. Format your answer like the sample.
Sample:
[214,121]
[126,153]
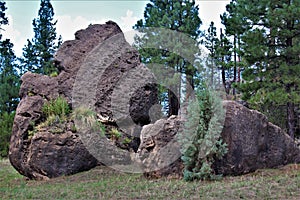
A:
[239,60]
[234,69]
[223,68]
[291,119]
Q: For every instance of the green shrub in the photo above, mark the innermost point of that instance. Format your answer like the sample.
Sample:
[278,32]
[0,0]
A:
[84,114]
[54,74]
[127,140]
[115,134]
[73,128]
[56,112]
[201,139]
[57,107]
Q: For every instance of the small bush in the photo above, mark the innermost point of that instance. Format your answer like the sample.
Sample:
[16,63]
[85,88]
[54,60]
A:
[201,139]
[54,74]
[115,133]
[57,107]
[56,112]
[127,140]
[82,113]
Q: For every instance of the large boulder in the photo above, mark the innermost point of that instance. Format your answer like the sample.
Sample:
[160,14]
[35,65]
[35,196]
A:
[253,143]
[91,74]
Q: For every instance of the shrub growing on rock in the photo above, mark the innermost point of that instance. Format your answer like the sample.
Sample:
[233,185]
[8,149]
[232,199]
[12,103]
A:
[55,111]
[201,141]
[57,107]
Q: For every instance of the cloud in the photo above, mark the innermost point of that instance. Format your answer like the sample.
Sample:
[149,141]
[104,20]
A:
[127,22]
[18,39]
[67,26]
[211,11]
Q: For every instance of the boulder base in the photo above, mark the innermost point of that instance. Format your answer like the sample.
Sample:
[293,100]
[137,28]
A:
[253,143]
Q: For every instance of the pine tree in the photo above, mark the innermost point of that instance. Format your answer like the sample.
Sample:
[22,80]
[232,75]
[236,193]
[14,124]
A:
[220,57]
[9,78]
[3,18]
[6,124]
[181,16]
[211,43]
[201,141]
[235,27]
[270,44]
[224,60]
[9,86]
[38,53]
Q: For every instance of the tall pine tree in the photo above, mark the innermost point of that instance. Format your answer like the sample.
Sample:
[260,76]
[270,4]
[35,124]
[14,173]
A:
[181,16]
[220,57]
[211,43]
[9,86]
[9,78]
[235,27]
[270,44]
[38,53]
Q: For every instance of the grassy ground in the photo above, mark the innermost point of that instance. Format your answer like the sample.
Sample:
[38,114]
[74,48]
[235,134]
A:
[103,183]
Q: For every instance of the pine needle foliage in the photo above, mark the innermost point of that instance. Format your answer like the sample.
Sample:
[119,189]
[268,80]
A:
[201,141]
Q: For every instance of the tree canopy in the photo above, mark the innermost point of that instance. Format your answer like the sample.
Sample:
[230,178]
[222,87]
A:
[9,85]
[178,16]
[38,53]
[270,35]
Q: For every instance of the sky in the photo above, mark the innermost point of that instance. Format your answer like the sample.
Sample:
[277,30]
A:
[73,15]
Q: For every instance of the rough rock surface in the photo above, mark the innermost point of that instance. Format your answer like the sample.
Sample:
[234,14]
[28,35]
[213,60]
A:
[53,153]
[253,143]
[159,152]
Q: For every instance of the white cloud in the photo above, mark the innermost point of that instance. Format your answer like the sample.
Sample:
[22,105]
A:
[18,39]
[128,21]
[126,25]
[211,11]
[67,26]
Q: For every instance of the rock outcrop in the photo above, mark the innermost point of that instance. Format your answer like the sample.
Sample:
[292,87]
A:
[44,154]
[159,152]
[93,69]
[100,71]
[253,143]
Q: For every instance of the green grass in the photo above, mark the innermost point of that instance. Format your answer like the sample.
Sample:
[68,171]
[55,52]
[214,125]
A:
[104,183]
[57,107]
